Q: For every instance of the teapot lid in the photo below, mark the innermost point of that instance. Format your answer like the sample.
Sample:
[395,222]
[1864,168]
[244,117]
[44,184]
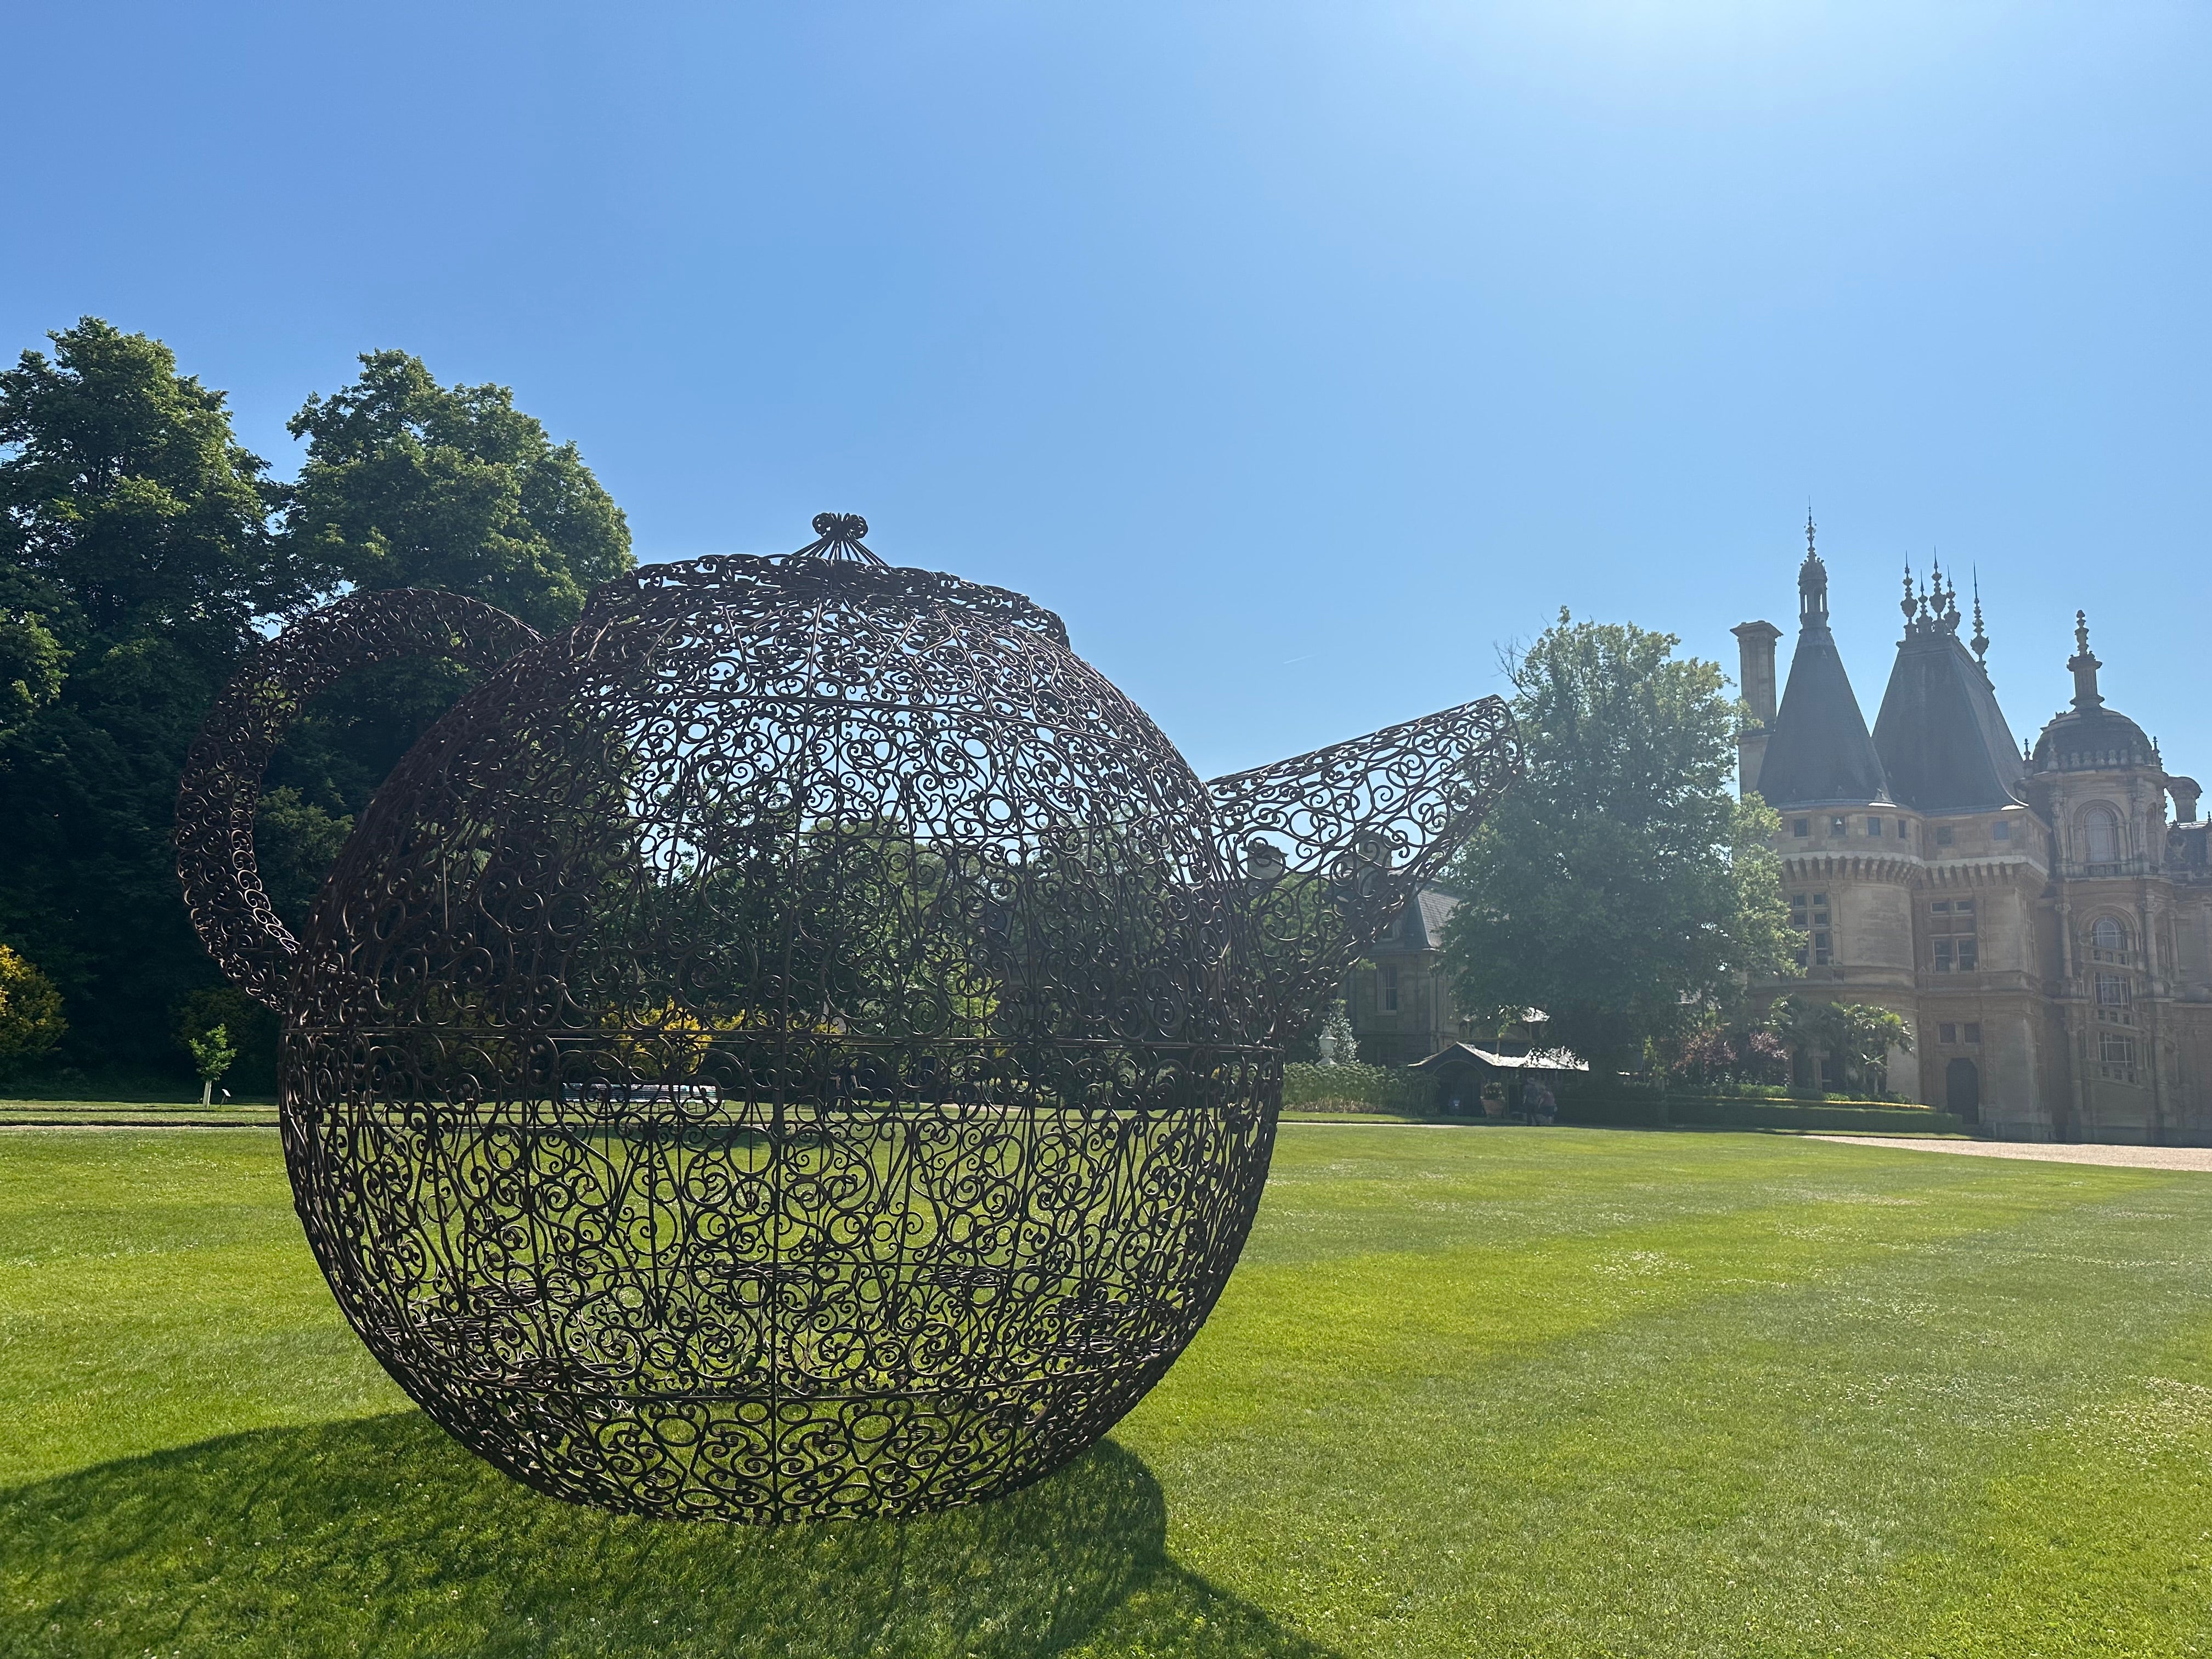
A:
[837,559]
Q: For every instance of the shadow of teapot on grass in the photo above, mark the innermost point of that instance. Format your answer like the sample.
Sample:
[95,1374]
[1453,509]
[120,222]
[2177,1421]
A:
[381,1536]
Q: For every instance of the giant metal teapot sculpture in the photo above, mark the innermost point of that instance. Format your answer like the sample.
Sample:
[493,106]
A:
[799,1043]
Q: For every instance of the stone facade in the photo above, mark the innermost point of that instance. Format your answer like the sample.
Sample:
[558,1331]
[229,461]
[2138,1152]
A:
[2038,919]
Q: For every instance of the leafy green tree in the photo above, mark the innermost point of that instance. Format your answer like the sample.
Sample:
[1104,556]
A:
[126,505]
[252,1029]
[31,665]
[1857,1036]
[212,1055]
[1619,885]
[407,483]
[142,551]
[135,558]
[410,484]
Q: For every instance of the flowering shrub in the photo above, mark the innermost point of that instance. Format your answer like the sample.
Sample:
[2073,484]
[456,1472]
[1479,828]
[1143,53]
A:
[30,1009]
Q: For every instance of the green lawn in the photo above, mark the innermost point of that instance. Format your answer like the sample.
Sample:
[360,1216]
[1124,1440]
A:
[1482,1391]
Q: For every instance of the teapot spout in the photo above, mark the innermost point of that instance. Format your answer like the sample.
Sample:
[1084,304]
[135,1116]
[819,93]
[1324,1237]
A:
[1326,848]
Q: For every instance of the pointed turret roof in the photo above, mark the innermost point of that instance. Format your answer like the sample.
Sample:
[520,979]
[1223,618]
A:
[1819,754]
[1943,742]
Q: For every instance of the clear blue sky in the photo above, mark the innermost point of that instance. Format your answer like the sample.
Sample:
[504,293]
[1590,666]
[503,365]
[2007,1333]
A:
[1298,353]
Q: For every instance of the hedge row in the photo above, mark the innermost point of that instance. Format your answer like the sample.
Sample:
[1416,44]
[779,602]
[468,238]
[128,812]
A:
[1392,1089]
[1357,1089]
[1709,1113]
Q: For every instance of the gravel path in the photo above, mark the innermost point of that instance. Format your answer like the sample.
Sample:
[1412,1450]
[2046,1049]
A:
[2048,1151]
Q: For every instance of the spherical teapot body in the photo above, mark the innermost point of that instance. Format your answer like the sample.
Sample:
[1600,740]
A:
[801,1043]
[776,1051]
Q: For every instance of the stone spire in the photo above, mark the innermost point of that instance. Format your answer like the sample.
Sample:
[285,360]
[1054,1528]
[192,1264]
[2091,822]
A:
[1942,600]
[2084,667]
[1812,584]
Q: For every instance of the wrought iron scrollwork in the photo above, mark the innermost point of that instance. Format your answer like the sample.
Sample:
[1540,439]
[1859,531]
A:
[783,1049]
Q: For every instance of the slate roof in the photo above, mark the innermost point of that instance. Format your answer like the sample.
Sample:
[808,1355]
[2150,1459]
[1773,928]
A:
[1942,741]
[1420,925]
[1819,753]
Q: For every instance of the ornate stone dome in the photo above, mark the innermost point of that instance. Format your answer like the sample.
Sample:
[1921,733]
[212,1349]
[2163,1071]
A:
[2092,739]
[2089,737]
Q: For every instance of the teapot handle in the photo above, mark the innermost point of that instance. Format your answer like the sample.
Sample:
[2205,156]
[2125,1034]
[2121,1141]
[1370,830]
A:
[221,786]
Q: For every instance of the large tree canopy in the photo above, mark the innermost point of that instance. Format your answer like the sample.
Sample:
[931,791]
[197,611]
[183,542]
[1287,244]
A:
[142,551]
[1619,886]
[136,557]
[408,485]
[126,507]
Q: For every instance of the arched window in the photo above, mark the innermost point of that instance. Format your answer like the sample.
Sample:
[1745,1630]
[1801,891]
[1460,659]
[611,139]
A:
[2100,835]
[2109,933]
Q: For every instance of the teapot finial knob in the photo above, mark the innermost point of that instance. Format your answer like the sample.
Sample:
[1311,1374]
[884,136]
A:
[838,537]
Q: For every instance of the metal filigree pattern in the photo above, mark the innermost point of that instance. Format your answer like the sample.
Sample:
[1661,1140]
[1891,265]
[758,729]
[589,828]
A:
[786,1049]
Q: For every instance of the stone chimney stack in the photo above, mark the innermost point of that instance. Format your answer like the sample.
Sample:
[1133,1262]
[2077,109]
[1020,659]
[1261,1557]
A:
[2184,791]
[1755,642]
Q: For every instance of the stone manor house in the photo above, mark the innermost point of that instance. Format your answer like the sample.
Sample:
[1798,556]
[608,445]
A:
[2043,926]
[1402,1006]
